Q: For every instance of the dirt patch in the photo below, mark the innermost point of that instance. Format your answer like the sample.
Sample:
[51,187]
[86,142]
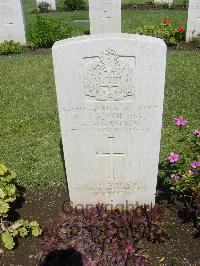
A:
[182,46]
[150,6]
[187,46]
[44,204]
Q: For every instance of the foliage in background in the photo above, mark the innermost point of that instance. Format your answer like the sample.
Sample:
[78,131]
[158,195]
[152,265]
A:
[104,237]
[73,5]
[8,194]
[10,47]
[44,7]
[170,34]
[181,171]
[170,5]
[45,32]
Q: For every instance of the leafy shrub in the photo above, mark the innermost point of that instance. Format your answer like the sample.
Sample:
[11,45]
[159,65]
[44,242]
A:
[8,194]
[44,7]
[44,32]
[10,47]
[73,5]
[102,237]
[170,34]
[181,170]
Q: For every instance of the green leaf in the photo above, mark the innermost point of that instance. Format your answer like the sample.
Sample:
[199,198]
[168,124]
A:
[8,240]
[36,230]
[4,207]
[23,231]
[3,169]
[2,193]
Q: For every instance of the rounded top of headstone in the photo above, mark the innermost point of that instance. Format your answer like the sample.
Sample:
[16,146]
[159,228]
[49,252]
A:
[110,36]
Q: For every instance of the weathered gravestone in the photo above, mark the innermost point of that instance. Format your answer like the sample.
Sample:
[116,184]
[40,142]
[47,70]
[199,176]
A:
[163,2]
[11,21]
[193,23]
[110,90]
[51,2]
[105,16]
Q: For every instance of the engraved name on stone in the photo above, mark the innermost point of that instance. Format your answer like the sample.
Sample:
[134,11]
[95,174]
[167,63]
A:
[102,119]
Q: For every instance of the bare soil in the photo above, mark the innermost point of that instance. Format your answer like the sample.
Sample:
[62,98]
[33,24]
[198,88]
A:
[44,204]
[182,46]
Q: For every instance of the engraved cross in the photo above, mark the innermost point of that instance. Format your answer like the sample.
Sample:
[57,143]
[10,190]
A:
[111,155]
[111,81]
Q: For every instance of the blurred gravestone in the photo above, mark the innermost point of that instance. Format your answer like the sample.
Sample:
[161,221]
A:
[110,90]
[52,3]
[105,16]
[12,21]
[163,2]
[193,23]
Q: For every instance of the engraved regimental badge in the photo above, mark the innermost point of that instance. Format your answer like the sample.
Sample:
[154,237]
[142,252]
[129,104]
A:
[109,77]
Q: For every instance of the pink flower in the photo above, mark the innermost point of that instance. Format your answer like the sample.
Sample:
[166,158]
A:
[129,249]
[173,157]
[196,132]
[174,176]
[190,172]
[179,121]
[195,164]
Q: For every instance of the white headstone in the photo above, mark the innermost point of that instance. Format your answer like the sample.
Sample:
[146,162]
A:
[12,21]
[163,2]
[105,16]
[110,90]
[51,2]
[193,23]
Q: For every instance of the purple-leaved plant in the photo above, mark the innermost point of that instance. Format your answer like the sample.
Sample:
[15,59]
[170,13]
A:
[104,238]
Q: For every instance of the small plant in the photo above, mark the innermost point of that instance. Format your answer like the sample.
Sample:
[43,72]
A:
[73,5]
[181,170]
[10,47]
[8,194]
[170,34]
[102,237]
[44,7]
[44,32]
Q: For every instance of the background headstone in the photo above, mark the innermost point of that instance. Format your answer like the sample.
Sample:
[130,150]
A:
[163,1]
[51,2]
[193,23]
[105,16]
[12,21]
[110,90]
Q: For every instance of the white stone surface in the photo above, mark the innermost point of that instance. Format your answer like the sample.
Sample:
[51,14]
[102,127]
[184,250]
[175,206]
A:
[110,90]
[193,23]
[51,2]
[163,2]
[105,16]
[12,21]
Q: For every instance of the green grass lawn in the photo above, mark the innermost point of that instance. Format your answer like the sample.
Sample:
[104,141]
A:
[29,128]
